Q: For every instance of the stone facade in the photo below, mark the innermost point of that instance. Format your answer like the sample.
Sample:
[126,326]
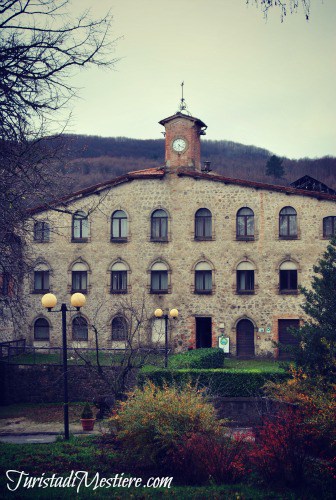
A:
[181,189]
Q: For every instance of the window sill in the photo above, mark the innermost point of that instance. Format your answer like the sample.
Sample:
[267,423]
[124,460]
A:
[79,240]
[39,292]
[159,292]
[288,237]
[80,340]
[118,292]
[203,292]
[119,240]
[199,238]
[79,291]
[245,292]
[289,292]
[41,241]
[152,240]
[245,238]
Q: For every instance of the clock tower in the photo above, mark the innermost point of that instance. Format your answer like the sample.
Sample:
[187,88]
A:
[183,144]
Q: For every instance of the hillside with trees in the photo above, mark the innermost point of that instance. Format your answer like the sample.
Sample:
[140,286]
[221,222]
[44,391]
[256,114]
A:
[91,159]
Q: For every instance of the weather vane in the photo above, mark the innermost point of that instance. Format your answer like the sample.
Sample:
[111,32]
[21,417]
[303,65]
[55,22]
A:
[183,106]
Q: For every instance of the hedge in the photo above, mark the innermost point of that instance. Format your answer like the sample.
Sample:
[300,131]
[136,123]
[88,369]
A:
[198,358]
[218,382]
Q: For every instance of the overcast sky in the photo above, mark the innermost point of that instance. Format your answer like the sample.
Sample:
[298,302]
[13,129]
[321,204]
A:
[269,84]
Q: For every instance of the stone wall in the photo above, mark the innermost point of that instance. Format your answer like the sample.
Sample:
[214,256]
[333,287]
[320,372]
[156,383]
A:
[44,384]
[181,197]
[19,385]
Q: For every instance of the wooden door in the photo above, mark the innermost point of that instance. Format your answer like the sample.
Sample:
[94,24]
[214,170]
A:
[285,336]
[245,338]
[203,332]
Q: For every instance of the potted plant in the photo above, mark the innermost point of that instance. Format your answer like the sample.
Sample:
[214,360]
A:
[87,418]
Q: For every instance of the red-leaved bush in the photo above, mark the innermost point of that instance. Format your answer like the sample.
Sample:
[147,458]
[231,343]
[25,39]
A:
[285,446]
[204,457]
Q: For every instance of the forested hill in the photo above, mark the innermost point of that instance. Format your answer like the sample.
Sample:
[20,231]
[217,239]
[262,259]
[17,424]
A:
[93,159]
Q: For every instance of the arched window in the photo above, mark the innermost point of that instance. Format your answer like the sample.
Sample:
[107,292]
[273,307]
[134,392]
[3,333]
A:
[80,226]
[288,277]
[245,277]
[41,329]
[159,225]
[288,223]
[203,224]
[203,278]
[41,231]
[329,226]
[119,278]
[80,329]
[245,224]
[79,277]
[159,278]
[41,278]
[119,328]
[119,226]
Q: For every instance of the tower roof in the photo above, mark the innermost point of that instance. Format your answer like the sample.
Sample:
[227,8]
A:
[197,121]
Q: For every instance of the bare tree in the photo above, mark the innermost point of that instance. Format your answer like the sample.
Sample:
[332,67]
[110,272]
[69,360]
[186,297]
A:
[285,6]
[135,347]
[41,47]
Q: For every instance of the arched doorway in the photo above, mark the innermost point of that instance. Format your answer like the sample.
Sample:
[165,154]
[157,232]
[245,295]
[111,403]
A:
[245,338]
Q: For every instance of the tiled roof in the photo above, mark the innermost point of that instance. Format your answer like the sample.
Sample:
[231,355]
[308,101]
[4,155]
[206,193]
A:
[157,173]
[182,115]
[149,173]
[256,185]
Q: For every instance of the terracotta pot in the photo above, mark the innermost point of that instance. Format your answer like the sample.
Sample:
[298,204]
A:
[88,423]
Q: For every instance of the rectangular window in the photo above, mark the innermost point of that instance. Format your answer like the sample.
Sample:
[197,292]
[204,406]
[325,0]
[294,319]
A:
[41,231]
[288,280]
[4,284]
[203,281]
[41,281]
[159,228]
[79,281]
[159,281]
[80,333]
[245,281]
[329,227]
[203,228]
[80,228]
[119,228]
[119,282]
[288,226]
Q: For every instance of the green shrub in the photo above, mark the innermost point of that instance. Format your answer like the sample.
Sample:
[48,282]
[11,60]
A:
[87,412]
[198,358]
[225,383]
[153,422]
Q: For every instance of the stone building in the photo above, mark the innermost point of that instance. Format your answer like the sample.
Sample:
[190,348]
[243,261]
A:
[229,254]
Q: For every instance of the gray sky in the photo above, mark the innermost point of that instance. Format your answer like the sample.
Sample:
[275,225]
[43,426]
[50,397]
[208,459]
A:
[269,84]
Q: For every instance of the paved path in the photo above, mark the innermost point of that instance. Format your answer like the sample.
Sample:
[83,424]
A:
[22,430]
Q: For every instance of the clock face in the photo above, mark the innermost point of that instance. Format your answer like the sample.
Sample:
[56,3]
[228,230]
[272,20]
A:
[179,145]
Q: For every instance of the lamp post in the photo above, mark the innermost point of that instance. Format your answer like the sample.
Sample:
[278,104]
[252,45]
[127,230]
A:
[49,301]
[158,313]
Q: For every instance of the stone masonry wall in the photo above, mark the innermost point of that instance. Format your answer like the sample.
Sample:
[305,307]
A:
[181,197]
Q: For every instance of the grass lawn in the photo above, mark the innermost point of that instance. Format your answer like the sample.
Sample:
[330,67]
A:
[92,455]
[254,365]
[50,357]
